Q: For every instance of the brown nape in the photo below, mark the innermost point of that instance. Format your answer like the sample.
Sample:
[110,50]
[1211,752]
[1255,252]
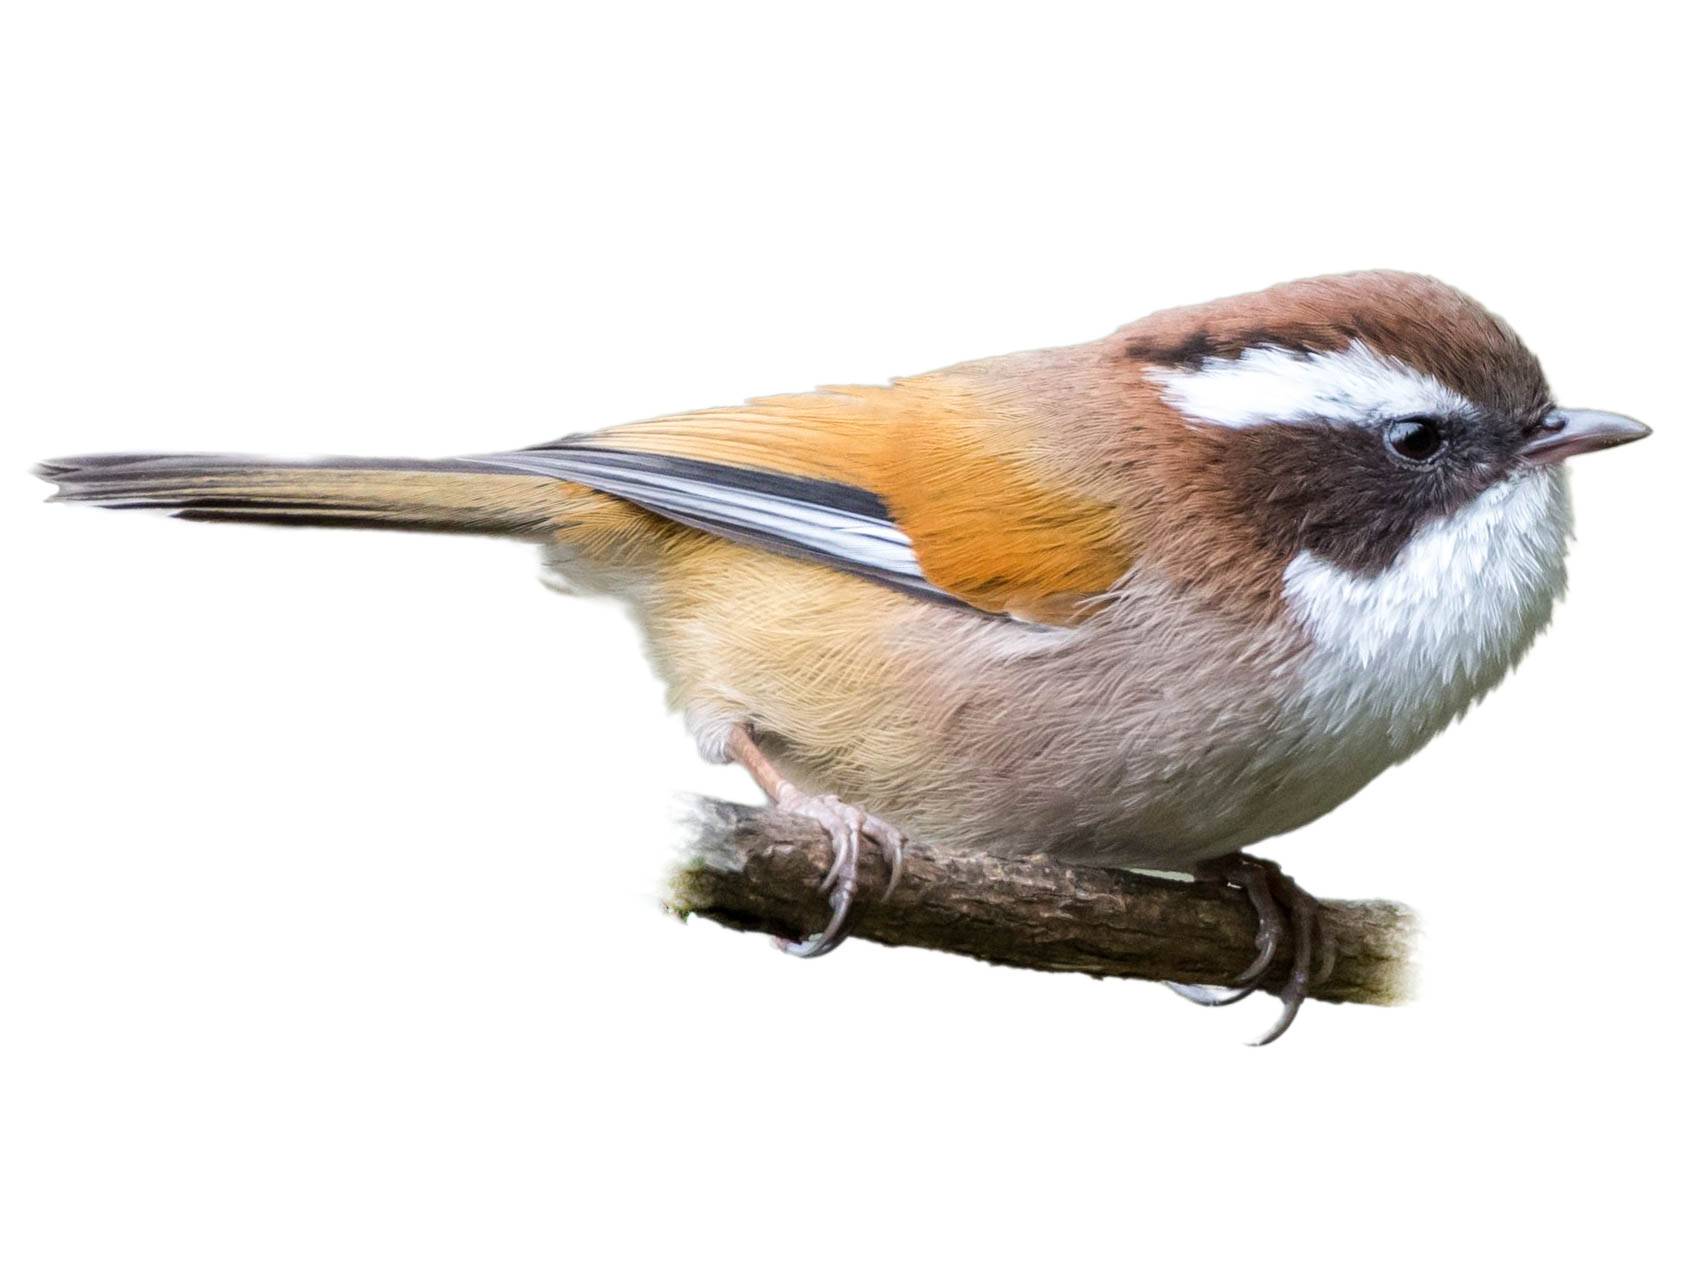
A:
[1231,507]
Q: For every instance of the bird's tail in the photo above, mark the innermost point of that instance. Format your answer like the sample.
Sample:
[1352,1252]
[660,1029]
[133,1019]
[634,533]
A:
[471,496]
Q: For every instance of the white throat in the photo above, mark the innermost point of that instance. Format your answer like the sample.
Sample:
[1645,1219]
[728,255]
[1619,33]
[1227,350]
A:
[1400,654]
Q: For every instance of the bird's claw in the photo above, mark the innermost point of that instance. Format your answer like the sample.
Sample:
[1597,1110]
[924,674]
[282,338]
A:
[1282,907]
[848,826]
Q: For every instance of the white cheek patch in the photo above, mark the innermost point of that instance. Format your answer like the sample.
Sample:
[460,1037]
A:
[1269,384]
[1400,653]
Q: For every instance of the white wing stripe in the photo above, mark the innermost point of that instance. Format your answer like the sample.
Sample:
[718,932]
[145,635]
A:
[846,536]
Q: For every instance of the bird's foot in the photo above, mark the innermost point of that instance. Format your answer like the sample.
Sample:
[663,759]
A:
[848,826]
[1284,909]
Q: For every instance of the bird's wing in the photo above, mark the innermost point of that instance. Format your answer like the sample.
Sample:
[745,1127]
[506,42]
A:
[922,485]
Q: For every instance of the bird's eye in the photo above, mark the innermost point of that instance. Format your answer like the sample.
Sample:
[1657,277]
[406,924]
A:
[1418,438]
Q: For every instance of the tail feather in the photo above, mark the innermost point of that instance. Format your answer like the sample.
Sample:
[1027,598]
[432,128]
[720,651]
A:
[441,495]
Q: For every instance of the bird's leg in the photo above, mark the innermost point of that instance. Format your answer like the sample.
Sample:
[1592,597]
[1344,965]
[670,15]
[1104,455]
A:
[1282,907]
[847,826]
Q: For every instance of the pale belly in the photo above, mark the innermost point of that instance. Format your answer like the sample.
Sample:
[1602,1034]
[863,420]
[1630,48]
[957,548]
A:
[1152,734]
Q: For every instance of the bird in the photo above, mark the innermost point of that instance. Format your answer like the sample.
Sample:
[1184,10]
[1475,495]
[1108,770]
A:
[1141,602]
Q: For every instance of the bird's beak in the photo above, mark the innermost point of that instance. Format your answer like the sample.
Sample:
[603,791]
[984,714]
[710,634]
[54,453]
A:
[1567,431]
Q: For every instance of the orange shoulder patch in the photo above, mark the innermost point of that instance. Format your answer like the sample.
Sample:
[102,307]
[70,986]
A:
[988,523]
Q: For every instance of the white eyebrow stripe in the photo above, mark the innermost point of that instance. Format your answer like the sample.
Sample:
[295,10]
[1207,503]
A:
[1268,384]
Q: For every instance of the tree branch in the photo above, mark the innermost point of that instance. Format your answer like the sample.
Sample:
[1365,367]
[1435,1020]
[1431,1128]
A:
[756,869]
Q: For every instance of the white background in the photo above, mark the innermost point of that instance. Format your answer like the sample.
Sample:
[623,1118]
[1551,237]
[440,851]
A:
[327,917]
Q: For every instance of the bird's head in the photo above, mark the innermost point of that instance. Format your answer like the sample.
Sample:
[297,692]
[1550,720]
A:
[1373,457]
[1343,418]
